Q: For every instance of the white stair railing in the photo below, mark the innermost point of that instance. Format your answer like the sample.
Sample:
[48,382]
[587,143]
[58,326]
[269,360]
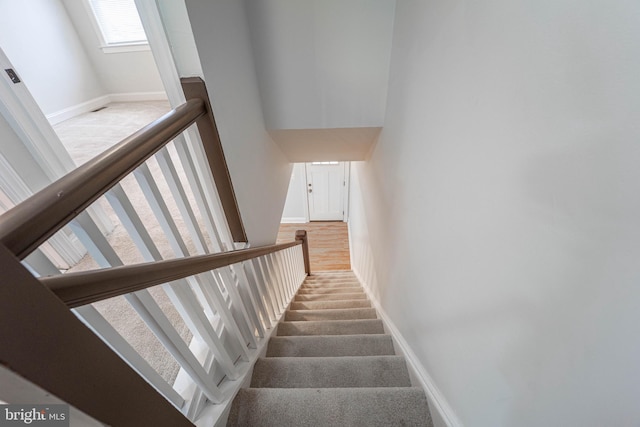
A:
[229,310]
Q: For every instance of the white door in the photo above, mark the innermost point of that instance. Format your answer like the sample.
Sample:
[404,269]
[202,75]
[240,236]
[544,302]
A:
[325,191]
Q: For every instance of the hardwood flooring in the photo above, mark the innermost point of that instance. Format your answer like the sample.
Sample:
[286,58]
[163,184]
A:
[328,243]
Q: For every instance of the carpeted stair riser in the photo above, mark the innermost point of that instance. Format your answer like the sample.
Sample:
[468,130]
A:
[331,314]
[331,364]
[331,283]
[352,286]
[323,291]
[331,346]
[321,372]
[331,327]
[330,288]
[319,305]
[370,407]
[336,278]
[332,273]
[329,297]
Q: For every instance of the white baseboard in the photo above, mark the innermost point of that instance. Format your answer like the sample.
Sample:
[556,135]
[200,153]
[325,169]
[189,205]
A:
[437,402]
[76,110]
[95,103]
[293,220]
[138,96]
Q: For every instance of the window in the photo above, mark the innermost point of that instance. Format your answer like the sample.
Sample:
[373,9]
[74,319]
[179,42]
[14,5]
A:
[118,25]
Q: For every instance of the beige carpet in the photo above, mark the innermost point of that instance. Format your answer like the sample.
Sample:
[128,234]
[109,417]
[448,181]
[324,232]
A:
[86,136]
[330,366]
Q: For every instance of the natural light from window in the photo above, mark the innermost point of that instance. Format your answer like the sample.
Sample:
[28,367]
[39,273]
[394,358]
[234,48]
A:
[118,22]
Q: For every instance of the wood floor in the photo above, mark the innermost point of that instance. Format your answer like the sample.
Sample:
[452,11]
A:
[328,244]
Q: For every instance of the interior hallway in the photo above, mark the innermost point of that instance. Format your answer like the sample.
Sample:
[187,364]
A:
[328,243]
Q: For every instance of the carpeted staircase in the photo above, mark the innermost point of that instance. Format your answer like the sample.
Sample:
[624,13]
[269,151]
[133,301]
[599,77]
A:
[331,364]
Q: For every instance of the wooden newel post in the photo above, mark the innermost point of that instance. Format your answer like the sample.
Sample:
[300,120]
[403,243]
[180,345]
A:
[302,236]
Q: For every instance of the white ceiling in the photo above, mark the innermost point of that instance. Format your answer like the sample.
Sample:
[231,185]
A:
[316,145]
[322,65]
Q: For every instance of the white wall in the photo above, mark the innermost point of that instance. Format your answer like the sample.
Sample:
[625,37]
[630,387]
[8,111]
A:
[125,72]
[41,43]
[500,207]
[175,19]
[322,63]
[259,170]
[295,207]
[20,159]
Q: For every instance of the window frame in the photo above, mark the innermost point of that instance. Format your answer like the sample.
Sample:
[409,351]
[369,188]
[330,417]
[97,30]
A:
[137,46]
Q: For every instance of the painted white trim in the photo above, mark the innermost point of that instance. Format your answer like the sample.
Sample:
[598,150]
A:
[76,110]
[131,46]
[188,144]
[437,401]
[138,96]
[161,49]
[101,101]
[27,120]
[346,191]
[307,218]
[62,248]
[293,220]
[37,135]
[217,415]
[124,48]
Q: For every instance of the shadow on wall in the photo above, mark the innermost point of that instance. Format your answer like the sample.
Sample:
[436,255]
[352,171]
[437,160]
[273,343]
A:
[588,187]
[579,344]
[362,258]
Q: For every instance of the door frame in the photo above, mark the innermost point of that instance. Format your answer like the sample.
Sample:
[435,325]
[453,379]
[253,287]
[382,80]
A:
[26,119]
[345,191]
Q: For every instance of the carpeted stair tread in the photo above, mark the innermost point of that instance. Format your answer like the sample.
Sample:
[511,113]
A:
[320,291]
[371,407]
[331,314]
[318,305]
[324,287]
[320,372]
[330,363]
[330,297]
[332,273]
[331,282]
[313,277]
[330,346]
[331,327]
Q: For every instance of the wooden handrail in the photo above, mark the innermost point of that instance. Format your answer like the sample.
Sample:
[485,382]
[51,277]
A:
[301,236]
[45,343]
[194,87]
[29,224]
[118,395]
[76,289]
